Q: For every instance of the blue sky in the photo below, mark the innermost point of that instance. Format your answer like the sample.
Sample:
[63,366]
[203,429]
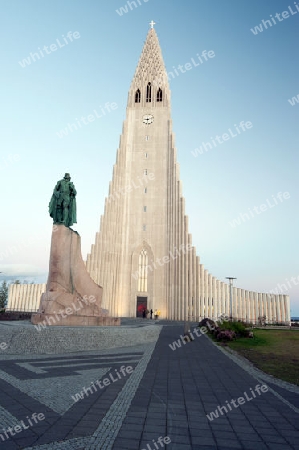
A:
[250,79]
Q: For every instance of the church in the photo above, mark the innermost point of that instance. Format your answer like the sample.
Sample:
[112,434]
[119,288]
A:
[143,255]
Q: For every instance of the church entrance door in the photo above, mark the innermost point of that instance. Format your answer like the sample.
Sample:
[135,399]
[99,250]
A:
[141,305]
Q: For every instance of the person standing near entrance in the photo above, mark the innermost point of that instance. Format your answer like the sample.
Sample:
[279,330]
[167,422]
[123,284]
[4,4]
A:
[151,311]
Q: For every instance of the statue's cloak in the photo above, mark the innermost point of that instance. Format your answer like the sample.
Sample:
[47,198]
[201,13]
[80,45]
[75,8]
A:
[55,203]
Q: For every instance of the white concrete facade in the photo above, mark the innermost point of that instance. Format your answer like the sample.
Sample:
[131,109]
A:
[25,297]
[143,248]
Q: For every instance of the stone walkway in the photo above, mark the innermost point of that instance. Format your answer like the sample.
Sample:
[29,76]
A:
[153,398]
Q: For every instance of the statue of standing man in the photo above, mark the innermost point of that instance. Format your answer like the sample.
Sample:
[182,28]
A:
[62,206]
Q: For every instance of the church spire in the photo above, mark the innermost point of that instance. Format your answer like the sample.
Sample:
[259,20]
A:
[150,83]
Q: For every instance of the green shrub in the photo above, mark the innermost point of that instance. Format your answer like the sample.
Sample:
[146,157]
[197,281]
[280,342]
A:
[238,327]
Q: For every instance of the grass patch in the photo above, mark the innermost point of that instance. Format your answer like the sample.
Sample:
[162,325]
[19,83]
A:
[276,352]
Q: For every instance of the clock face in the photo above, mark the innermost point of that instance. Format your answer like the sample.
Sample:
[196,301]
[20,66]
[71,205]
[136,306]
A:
[148,119]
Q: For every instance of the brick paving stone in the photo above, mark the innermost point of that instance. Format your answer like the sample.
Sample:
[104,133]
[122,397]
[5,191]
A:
[23,441]
[181,431]
[126,444]
[184,447]
[229,443]
[9,445]
[200,427]
[204,441]
[292,440]
[130,434]
[180,440]
[134,420]
[274,439]
[154,428]
[254,446]
[197,432]
[248,437]
[280,447]
[205,447]
[132,427]
[243,429]
[227,435]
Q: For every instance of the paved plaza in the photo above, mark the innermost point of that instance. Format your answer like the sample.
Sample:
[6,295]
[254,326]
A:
[139,396]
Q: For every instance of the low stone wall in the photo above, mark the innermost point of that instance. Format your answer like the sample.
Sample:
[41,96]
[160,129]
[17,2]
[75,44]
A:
[26,339]
[14,315]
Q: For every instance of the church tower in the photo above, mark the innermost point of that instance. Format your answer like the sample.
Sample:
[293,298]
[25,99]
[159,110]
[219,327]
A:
[135,228]
[143,255]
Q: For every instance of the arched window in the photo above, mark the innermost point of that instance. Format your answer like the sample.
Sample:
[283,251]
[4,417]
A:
[159,95]
[137,96]
[142,268]
[149,92]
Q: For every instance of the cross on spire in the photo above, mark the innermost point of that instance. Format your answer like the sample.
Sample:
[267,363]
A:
[152,23]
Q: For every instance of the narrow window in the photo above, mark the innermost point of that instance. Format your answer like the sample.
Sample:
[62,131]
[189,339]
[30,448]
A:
[159,95]
[147,138]
[144,227]
[142,263]
[145,172]
[145,190]
[149,92]
[137,96]
[145,155]
[144,209]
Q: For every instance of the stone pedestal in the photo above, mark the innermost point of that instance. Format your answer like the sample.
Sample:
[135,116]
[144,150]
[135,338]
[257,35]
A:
[72,298]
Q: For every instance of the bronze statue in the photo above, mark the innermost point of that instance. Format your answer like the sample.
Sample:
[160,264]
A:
[62,206]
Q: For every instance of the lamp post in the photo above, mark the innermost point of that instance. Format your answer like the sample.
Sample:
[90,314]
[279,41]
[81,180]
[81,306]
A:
[231,296]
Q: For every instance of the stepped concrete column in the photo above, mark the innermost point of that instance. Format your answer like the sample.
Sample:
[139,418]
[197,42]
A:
[247,306]
[243,306]
[256,308]
[270,312]
[221,297]
[210,289]
[202,291]
[218,298]
[287,309]
[214,297]
[283,310]
[278,312]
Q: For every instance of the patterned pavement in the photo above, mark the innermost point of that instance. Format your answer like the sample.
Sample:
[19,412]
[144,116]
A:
[129,397]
